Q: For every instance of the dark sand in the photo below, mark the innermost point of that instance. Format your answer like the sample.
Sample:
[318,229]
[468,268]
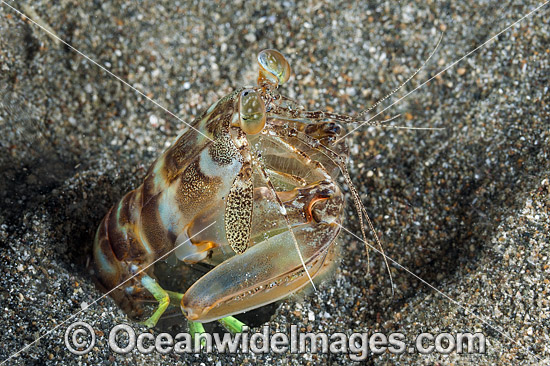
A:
[465,208]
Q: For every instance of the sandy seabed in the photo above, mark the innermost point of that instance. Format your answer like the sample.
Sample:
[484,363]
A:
[465,208]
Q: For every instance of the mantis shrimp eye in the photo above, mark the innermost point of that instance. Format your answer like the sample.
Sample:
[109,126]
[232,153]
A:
[251,112]
[274,68]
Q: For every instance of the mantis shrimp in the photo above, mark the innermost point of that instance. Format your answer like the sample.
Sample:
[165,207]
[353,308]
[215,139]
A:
[250,189]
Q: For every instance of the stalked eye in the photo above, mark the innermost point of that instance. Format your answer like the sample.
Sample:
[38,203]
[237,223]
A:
[274,68]
[251,111]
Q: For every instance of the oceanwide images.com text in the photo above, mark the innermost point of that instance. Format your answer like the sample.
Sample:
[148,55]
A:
[80,339]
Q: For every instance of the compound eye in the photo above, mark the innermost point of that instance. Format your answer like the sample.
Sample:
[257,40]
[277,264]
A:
[252,113]
[274,68]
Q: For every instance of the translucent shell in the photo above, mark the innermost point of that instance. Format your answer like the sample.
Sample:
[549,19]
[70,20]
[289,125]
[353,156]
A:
[252,113]
[274,68]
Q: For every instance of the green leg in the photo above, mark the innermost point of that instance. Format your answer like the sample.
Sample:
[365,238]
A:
[232,324]
[175,297]
[160,295]
[196,328]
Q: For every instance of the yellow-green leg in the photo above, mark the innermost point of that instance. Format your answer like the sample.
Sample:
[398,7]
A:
[160,295]
[194,327]
[164,297]
[232,324]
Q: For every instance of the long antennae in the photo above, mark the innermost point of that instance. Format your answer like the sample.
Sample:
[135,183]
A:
[381,124]
[413,128]
[361,211]
[403,83]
